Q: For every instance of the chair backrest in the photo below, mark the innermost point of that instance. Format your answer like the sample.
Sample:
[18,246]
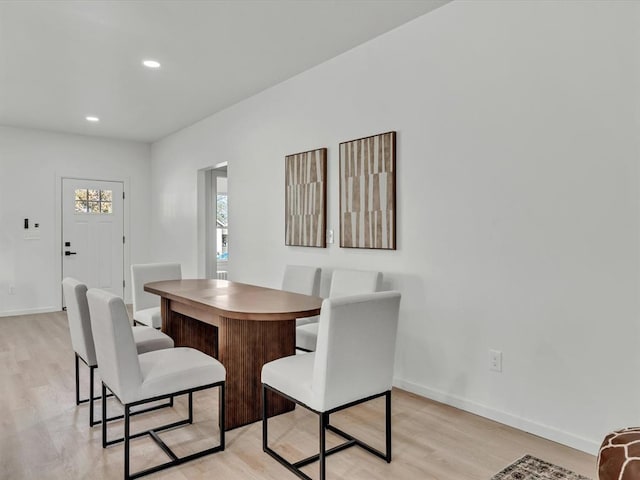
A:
[115,347]
[354,282]
[150,272]
[301,279]
[75,297]
[356,348]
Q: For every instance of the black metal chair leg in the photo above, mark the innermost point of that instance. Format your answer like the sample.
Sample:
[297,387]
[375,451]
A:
[126,442]
[388,424]
[77,381]
[264,418]
[91,399]
[221,414]
[104,415]
[322,457]
[91,379]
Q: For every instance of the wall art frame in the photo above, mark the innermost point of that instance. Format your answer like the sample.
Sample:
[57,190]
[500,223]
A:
[306,198]
[368,192]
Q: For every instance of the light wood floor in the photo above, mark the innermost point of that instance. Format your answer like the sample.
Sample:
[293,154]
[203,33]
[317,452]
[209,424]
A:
[44,435]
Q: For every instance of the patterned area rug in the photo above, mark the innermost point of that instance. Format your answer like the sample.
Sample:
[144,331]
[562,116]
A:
[532,468]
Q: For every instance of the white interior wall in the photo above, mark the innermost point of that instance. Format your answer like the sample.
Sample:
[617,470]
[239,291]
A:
[31,165]
[517,201]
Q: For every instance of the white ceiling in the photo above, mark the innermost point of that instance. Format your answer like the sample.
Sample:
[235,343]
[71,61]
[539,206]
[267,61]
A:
[63,60]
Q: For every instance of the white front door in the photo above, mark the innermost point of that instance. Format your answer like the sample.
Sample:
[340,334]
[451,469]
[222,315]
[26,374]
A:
[93,233]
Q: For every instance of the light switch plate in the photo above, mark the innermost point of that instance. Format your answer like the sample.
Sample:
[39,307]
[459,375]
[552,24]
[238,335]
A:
[329,236]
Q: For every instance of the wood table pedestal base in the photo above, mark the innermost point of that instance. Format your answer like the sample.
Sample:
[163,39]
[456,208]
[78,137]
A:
[242,346]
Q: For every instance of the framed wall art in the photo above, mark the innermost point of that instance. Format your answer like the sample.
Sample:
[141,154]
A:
[368,192]
[306,198]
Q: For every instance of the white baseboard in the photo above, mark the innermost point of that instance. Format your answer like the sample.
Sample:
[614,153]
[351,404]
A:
[30,311]
[544,431]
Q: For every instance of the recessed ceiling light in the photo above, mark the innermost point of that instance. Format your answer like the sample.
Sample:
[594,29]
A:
[151,63]
[91,118]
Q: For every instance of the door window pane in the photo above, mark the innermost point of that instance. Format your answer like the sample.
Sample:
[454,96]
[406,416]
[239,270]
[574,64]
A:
[94,201]
[81,206]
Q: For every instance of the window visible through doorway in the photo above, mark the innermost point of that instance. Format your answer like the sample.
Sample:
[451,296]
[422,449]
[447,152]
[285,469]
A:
[222,227]
[89,200]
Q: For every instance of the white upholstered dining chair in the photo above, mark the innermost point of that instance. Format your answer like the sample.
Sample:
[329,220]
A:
[353,363]
[146,306]
[146,339]
[343,283]
[305,280]
[138,379]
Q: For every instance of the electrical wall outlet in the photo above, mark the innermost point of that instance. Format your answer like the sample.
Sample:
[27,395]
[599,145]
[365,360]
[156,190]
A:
[495,360]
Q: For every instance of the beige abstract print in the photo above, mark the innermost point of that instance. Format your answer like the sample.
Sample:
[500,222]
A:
[305,198]
[368,193]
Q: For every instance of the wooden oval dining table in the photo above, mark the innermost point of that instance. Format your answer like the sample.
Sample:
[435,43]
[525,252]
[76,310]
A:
[243,326]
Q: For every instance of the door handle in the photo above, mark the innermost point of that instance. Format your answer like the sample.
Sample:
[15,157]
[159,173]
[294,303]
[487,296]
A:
[69,253]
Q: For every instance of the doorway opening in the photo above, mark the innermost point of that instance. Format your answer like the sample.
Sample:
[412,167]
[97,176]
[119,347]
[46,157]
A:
[215,220]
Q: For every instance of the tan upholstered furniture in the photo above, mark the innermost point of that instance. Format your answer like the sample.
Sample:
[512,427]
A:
[619,456]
